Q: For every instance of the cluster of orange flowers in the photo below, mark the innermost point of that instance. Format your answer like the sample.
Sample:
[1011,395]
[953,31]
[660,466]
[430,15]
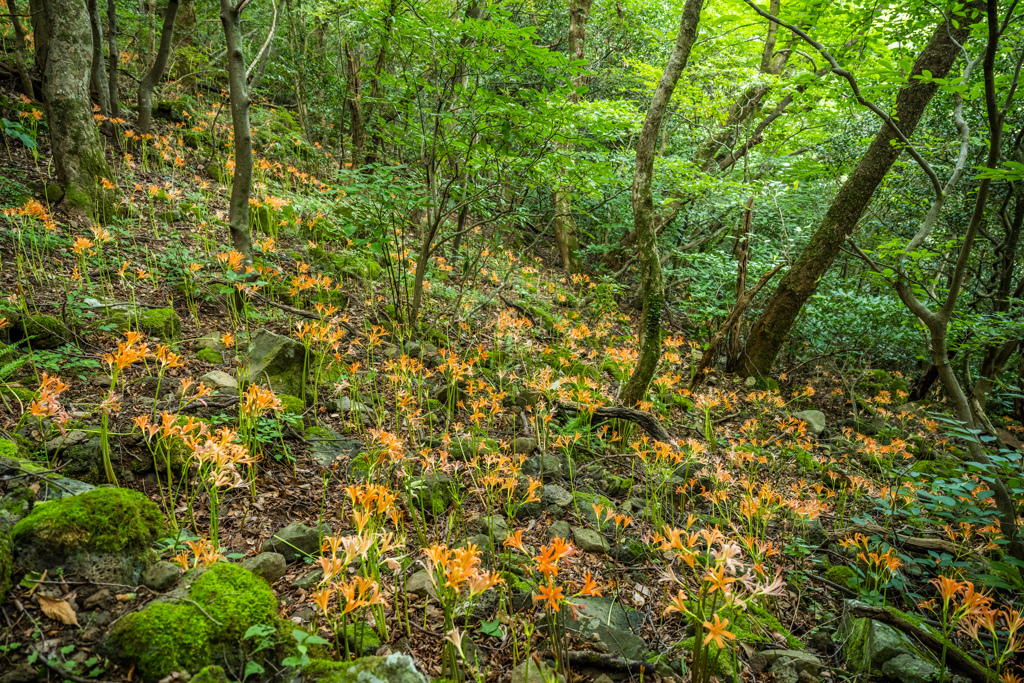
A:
[47,401]
[32,209]
[203,555]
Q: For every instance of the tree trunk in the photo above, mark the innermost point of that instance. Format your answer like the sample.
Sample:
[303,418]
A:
[156,72]
[651,281]
[75,141]
[772,328]
[97,75]
[19,49]
[357,125]
[113,59]
[241,183]
[564,225]
[184,26]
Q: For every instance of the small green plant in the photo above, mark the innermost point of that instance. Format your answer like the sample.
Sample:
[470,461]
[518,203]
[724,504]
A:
[303,641]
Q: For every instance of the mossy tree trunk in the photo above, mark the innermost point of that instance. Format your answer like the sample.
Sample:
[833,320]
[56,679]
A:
[771,329]
[113,59]
[651,280]
[156,72]
[19,49]
[241,184]
[564,225]
[75,141]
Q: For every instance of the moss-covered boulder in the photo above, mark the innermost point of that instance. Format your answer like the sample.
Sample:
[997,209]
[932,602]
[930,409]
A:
[40,331]
[200,624]
[163,323]
[395,668]
[103,535]
[277,359]
[210,356]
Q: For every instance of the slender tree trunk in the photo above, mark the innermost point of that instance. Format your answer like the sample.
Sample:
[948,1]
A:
[156,72]
[19,49]
[97,76]
[241,184]
[183,27]
[563,223]
[772,328]
[357,125]
[113,59]
[651,281]
[77,150]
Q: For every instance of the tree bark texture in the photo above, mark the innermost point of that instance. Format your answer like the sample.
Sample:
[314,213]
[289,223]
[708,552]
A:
[156,72]
[241,183]
[651,280]
[98,76]
[772,328]
[113,58]
[77,150]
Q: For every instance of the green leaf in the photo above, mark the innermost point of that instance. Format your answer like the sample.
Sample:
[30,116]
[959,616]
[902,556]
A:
[491,628]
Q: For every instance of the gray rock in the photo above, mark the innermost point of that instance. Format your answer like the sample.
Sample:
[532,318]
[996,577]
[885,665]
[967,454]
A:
[218,380]
[161,576]
[394,668]
[873,642]
[750,382]
[494,527]
[550,466]
[211,341]
[271,566]
[589,541]
[811,530]
[608,612]
[308,581]
[97,599]
[277,359]
[815,420]
[420,585]
[555,495]
[524,445]
[332,445]
[801,661]
[907,668]
[62,487]
[784,672]
[585,502]
[62,441]
[559,530]
[433,493]
[483,546]
[529,672]
[296,541]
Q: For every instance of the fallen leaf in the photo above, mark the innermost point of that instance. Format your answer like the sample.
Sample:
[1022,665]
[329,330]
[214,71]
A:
[59,610]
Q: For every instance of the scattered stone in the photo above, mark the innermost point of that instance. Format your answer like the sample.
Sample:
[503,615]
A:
[278,359]
[524,445]
[559,530]
[161,576]
[329,445]
[528,671]
[495,527]
[62,487]
[63,441]
[801,661]
[629,550]
[585,503]
[554,494]
[297,541]
[549,467]
[432,493]
[271,566]
[868,644]
[98,599]
[103,536]
[394,668]
[908,668]
[366,414]
[815,419]
[211,341]
[420,585]
[589,541]
[784,672]
[528,398]
[309,580]
[218,380]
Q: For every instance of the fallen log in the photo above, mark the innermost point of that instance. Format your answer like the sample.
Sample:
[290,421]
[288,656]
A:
[910,543]
[959,660]
[641,418]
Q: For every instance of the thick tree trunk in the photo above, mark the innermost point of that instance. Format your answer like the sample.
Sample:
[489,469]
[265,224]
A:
[241,184]
[772,328]
[75,141]
[19,49]
[156,72]
[651,281]
[113,59]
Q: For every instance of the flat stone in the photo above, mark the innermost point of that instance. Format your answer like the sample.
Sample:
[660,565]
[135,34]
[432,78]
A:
[559,530]
[219,380]
[815,419]
[801,661]
[589,541]
[908,668]
[271,566]
[529,671]
[62,441]
[550,466]
[556,495]
[524,445]
[211,341]
[276,359]
[419,584]
[296,541]
[161,576]
[308,581]
[495,527]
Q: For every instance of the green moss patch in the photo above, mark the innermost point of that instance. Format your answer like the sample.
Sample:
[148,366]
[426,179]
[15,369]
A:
[210,356]
[195,631]
[101,520]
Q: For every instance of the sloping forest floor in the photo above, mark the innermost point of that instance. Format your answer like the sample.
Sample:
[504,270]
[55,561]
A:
[812,509]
